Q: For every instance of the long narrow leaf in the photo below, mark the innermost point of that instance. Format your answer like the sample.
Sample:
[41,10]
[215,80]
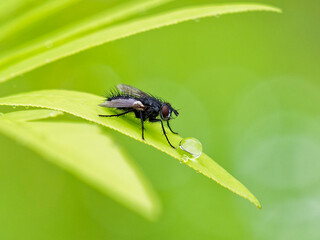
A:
[68,33]
[9,8]
[31,115]
[43,10]
[85,151]
[100,37]
[85,105]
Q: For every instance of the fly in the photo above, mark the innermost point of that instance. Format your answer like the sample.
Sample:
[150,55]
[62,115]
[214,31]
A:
[144,106]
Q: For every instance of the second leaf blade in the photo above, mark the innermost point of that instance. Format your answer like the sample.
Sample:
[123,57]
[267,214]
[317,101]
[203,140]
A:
[89,154]
[99,37]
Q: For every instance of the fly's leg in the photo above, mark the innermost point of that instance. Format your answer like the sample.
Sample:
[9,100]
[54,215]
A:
[141,117]
[163,130]
[170,128]
[116,115]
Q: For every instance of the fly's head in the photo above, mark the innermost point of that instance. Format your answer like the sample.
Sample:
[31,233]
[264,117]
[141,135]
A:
[166,111]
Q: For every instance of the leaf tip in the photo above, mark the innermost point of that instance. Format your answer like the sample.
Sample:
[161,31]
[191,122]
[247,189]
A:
[277,10]
[151,210]
[256,202]
[272,8]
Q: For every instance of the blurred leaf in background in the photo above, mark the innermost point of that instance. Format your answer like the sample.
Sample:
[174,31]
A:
[84,151]
[246,86]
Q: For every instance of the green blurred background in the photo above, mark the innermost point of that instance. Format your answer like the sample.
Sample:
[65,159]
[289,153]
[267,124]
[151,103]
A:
[247,86]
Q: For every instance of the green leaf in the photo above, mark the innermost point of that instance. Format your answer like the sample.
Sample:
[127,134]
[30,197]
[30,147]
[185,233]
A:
[73,31]
[34,15]
[31,115]
[99,37]
[85,105]
[12,7]
[91,155]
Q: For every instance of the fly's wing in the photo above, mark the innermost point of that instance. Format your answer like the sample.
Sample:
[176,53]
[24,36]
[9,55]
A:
[131,91]
[124,103]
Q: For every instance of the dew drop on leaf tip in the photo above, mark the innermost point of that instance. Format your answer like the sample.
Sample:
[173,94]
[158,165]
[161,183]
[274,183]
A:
[190,148]
[48,44]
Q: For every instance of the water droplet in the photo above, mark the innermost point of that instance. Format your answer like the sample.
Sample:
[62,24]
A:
[142,11]
[191,148]
[26,107]
[48,44]
[51,114]
[196,19]
[48,60]
[14,106]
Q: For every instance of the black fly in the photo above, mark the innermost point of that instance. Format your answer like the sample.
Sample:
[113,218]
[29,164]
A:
[144,106]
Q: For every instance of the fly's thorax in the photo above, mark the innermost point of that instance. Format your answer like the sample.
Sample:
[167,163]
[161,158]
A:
[152,103]
[121,97]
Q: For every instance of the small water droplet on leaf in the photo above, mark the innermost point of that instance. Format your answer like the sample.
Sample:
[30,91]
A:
[48,44]
[191,148]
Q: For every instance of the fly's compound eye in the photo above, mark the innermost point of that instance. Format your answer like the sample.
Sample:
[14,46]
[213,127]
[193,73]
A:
[165,112]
